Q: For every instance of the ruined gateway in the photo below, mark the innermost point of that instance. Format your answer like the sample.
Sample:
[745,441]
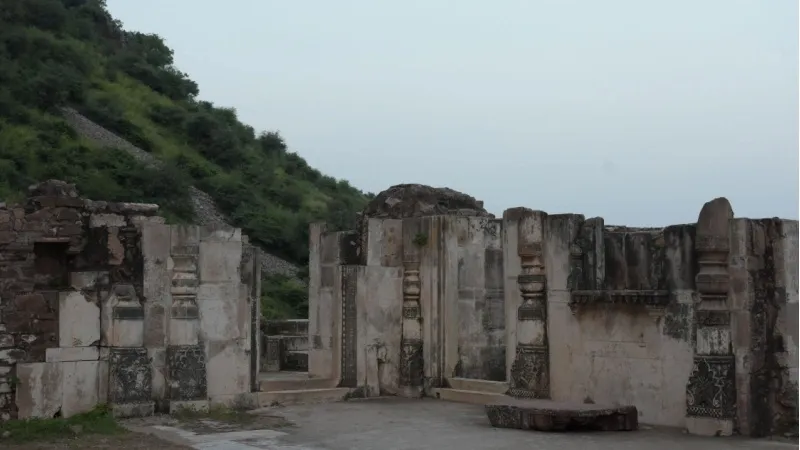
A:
[694,325]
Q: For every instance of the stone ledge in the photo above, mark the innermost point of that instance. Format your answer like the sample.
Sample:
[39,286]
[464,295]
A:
[547,415]
[648,298]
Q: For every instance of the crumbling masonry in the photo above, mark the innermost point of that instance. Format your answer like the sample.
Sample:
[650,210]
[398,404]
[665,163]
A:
[104,303]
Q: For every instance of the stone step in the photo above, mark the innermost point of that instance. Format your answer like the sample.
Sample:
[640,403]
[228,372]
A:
[301,396]
[465,396]
[295,361]
[295,384]
[469,384]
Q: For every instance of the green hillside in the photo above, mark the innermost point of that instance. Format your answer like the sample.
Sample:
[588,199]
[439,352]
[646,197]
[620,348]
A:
[72,53]
[56,53]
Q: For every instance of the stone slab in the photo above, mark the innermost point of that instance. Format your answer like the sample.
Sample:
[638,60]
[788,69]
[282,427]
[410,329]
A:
[547,415]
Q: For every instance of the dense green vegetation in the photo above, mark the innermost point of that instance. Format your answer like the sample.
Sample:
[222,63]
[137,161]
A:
[56,53]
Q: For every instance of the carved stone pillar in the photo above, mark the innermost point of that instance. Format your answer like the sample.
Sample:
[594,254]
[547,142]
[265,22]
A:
[711,390]
[530,372]
[411,368]
[411,357]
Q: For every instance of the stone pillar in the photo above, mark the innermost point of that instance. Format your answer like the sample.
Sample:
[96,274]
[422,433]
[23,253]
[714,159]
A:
[530,372]
[411,357]
[711,390]
[186,359]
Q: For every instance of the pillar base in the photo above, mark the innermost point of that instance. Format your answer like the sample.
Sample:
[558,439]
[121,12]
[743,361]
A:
[709,426]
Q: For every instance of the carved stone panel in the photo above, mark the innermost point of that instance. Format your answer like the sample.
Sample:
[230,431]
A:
[187,372]
[349,332]
[530,372]
[411,368]
[711,391]
[130,376]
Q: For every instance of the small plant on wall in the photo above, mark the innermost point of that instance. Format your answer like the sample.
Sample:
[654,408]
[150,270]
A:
[420,239]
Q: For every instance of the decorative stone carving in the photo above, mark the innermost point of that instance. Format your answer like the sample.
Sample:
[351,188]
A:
[349,331]
[130,376]
[187,372]
[530,371]
[711,390]
[653,300]
[411,364]
[184,284]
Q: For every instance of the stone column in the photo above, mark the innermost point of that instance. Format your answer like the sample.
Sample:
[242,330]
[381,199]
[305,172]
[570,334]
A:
[530,372]
[711,390]
[411,358]
[186,359]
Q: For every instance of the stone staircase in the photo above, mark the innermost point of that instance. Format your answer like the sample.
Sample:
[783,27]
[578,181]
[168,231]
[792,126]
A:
[284,378]
[205,210]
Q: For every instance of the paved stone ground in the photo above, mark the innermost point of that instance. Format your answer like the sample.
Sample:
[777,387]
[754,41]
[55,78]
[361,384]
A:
[402,424]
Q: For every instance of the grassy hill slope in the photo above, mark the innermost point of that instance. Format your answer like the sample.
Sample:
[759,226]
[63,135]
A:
[57,53]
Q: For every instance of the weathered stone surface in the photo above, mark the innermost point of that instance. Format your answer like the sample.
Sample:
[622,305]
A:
[130,376]
[546,415]
[416,200]
[86,293]
[187,372]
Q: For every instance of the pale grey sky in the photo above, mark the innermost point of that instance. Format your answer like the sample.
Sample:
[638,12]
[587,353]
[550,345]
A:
[635,110]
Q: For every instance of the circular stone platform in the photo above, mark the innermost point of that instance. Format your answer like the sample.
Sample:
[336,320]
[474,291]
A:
[548,415]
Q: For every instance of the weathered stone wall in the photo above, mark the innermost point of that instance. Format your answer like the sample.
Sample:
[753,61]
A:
[619,315]
[104,303]
[693,324]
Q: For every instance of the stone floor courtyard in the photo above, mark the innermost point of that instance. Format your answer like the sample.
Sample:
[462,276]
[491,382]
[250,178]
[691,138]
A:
[391,423]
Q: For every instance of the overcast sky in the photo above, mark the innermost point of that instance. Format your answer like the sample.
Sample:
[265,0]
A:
[636,111]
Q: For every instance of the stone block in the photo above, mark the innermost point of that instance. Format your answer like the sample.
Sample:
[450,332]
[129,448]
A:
[228,368]
[184,239]
[130,376]
[187,372]
[546,415]
[122,323]
[220,233]
[81,380]
[184,332]
[67,354]
[39,390]
[90,281]
[220,306]
[79,320]
[106,220]
[219,261]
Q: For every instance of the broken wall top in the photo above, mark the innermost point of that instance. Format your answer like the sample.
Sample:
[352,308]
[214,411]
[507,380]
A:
[60,194]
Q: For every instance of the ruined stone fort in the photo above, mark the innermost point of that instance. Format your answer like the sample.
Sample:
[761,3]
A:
[692,326]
